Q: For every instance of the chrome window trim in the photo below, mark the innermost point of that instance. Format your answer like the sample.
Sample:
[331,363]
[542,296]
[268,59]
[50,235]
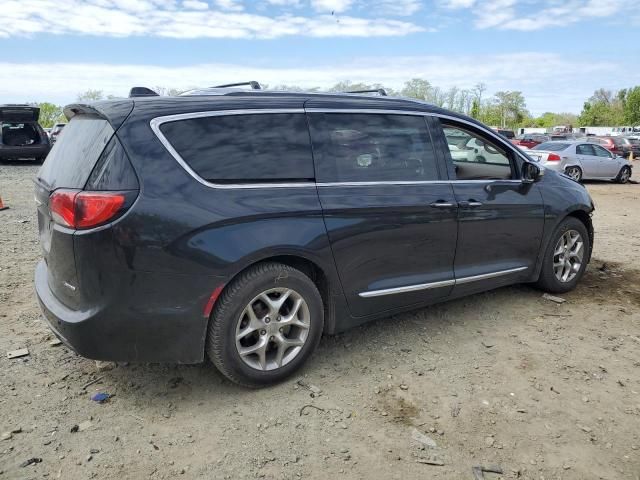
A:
[443,283]
[409,183]
[156,122]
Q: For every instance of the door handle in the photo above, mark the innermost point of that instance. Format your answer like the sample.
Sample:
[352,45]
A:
[470,204]
[442,204]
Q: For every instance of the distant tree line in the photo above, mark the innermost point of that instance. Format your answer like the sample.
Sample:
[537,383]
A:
[503,108]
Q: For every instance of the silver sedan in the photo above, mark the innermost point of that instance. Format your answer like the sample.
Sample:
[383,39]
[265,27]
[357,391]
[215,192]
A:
[581,160]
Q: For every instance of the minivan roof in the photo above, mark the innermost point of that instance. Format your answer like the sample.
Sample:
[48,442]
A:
[117,110]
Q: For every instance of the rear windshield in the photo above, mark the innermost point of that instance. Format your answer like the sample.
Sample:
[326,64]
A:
[74,155]
[551,146]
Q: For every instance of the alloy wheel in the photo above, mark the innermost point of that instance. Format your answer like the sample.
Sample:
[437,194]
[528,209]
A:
[272,329]
[568,255]
[574,173]
[625,174]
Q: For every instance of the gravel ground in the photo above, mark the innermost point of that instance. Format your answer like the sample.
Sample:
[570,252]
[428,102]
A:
[505,378]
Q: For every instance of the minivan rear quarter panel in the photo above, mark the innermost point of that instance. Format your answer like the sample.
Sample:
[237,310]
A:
[182,230]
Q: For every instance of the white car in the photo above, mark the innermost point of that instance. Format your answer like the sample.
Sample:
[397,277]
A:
[582,160]
[475,150]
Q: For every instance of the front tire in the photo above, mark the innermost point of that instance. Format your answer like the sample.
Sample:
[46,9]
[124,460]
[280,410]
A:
[265,325]
[624,175]
[566,257]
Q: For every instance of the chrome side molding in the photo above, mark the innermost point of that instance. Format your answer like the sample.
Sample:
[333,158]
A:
[443,283]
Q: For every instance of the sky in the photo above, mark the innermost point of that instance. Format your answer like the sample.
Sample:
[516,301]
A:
[557,52]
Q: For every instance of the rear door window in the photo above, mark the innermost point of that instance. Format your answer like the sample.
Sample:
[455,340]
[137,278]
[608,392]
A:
[250,148]
[363,147]
[585,150]
[74,155]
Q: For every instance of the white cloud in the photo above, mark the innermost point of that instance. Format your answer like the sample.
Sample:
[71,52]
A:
[537,15]
[284,3]
[337,6]
[195,5]
[396,7]
[454,4]
[163,18]
[561,85]
[229,5]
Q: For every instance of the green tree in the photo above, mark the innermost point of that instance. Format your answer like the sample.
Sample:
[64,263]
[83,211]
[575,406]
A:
[511,107]
[475,109]
[50,114]
[91,96]
[417,88]
[604,108]
[632,107]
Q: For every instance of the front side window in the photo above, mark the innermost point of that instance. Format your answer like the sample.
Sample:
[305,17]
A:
[253,148]
[474,157]
[601,152]
[362,147]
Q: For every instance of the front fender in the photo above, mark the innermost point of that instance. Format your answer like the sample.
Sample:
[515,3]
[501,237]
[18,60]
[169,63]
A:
[562,197]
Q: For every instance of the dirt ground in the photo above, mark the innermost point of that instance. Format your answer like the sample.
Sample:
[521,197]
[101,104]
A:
[506,378]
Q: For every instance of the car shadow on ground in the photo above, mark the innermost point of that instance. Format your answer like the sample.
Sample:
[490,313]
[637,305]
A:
[336,352]
[380,340]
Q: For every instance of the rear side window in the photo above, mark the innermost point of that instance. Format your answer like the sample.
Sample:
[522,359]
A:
[585,150]
[359,147]
[244,148]
[76,152]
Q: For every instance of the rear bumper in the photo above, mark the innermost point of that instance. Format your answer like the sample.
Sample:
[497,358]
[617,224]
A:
[148,323]
[17,153]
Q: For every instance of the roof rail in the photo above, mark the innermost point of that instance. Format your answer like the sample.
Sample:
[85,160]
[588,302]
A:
[254,85]
[142,92]
[380,91]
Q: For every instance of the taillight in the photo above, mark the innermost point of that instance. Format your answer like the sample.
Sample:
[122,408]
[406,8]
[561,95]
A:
[553,158]
[80,209]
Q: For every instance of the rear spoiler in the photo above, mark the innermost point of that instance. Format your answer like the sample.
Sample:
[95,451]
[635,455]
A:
[114,111]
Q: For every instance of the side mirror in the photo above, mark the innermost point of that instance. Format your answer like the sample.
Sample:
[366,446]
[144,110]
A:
[531,172]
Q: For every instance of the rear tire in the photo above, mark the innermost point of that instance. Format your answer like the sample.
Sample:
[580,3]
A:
[624,175]
[559,260]
[255,338]
[575,173]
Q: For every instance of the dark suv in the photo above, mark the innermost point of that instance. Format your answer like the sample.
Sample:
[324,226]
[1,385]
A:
[243,225]
[21,136]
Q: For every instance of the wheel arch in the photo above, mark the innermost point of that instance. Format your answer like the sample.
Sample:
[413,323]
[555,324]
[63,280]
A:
[585,218]
[577,212]
[320,275]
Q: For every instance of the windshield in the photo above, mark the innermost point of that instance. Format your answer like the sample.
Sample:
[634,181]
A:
[551,146]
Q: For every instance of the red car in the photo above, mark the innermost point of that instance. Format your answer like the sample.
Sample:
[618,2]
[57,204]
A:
[619,145]
[530,140]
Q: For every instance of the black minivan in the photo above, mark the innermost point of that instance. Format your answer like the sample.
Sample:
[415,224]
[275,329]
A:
[243,225]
